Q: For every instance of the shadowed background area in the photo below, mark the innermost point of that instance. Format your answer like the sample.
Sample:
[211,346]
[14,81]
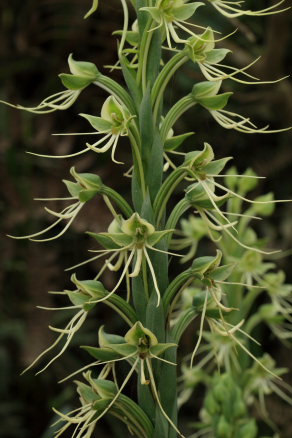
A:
[36,37]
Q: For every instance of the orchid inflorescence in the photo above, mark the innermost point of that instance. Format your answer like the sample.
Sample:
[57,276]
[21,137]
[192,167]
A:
[218,291]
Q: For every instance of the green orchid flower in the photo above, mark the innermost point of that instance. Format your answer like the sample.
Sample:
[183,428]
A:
[112,125]
[169,14]
[80,300]
[83,299]
[82,75]
[87,185]
[201,50]
[99,396]
[139,347]
[259,384]
[206,94]
[130,240]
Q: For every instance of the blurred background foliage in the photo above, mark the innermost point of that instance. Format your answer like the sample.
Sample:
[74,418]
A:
[36,37]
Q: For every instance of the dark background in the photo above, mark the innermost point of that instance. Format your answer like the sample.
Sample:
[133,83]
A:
[36,37]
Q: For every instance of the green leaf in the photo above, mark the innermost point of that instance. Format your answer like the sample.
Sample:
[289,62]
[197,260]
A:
[100,405]
[215,103]
[105,388]
[186,11]
[107,339]
[154,57]
[73,188]
[77,298]
[104,239]
[86,392]
[137,195]
[171,144]
[102,354]
[159,349]
[122,239]
[124,349]
[139,300]
[153,11]
[86,195]
[143,17]
[157,236]
[155,166]
[216,166]
[82,68]
[130,79]
[99,124]
[206,263]
[207,40]
[74,82]
[205,89]
[146,127]
[93,288]
[89,181]
[132,37]
[216,55]
[199,158]
[222,272]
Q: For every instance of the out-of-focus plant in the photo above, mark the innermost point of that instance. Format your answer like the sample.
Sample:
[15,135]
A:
[158,307]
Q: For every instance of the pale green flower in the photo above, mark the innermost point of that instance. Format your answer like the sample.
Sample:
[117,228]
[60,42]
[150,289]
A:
[130,240]
[169,14]
[82,75]
[139,347]
[85,188]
